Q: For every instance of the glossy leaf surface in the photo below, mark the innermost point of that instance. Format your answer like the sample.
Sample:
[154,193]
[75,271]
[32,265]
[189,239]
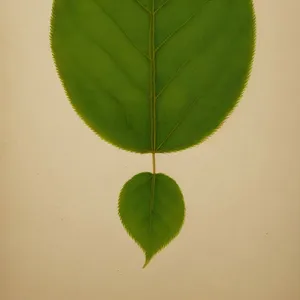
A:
[152,210]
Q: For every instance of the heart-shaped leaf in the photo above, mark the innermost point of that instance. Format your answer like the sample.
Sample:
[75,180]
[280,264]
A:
[152,210]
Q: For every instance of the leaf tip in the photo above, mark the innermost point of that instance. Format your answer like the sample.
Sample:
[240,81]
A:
[148,258]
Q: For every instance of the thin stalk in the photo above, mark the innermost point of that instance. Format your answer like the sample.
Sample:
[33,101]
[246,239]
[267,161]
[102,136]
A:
[153,84]
[153,104]
[153,163]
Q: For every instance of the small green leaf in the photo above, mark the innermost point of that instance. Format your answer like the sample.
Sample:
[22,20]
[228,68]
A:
[152,210]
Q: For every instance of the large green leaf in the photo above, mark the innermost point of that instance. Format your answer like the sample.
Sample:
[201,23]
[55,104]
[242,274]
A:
[152,210]
[153,75]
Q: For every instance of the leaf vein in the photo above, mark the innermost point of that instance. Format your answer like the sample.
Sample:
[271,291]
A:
[95,42]
[179,28]
[110,95]
[177,73]
[177,125]
[152,103]
[120,28]
[123,70]
[161,6]
[142,6]
[174,32]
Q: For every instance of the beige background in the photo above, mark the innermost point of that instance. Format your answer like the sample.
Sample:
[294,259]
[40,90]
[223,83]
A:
[60,236]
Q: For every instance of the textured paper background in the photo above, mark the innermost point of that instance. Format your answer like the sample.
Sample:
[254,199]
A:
[60,236]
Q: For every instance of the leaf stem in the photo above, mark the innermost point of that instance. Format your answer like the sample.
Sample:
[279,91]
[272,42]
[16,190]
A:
[153,84]
[153,105]
[153,163]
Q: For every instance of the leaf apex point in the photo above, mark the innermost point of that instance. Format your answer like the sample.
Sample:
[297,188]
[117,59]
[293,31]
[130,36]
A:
[147,260]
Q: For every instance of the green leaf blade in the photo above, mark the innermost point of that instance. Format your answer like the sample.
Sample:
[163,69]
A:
[200,83]
[102,61]
[159,91]
[152,210]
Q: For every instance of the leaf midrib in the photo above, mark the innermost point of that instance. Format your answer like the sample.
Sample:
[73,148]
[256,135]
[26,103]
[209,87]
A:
[152,55]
